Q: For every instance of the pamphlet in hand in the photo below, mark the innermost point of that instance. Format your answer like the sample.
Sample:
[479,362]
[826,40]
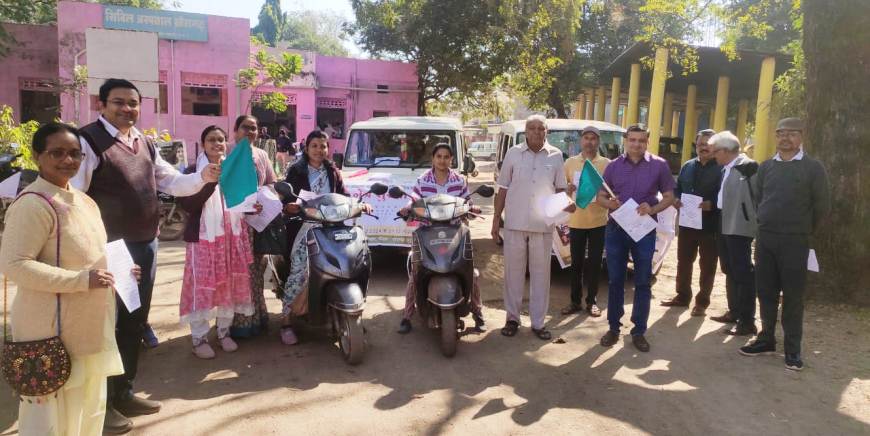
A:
[690,213]
[633,223]
[271,208]
[120,264]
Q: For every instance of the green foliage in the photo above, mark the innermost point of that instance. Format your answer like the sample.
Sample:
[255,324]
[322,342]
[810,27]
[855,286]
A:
[271,22]
[265,69]
[318,31]
[12,132]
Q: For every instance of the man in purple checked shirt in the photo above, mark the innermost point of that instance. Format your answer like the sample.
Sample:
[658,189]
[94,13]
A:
[640,176]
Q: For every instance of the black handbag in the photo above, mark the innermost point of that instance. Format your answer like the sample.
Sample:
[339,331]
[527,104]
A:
[273,239]
[40,367]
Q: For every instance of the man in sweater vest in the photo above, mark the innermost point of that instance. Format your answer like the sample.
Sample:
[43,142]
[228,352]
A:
[737,228]
[793,197]
[122,171]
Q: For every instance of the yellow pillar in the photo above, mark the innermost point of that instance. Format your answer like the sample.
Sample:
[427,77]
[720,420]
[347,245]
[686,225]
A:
[742,114]
[691,118]
[721,117]
[656,99]
[615,91]
[712,120]
[600,103]
[631,110]
[590,103]
[580,109]
[669,114]
[763,146]
[675,124]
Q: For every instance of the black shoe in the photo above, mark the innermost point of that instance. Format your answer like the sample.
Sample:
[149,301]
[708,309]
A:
[149,338]
[757,348]
[479,323]
[404,327]
[640,343]
[115,423]
[742,330]
[794,362]
[131,405]
[609,339]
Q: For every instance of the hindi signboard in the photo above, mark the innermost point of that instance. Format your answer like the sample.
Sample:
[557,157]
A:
[178,26]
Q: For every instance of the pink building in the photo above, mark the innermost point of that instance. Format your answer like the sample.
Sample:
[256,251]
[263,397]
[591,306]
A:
[197,68]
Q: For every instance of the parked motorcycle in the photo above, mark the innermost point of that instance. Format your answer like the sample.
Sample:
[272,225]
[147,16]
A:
[339,265]
[8,169]
[173,219]
[442,261]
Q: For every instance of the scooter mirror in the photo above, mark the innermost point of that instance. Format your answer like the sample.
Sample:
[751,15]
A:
[285,190]
[485,191]
[378,189]
[396,192]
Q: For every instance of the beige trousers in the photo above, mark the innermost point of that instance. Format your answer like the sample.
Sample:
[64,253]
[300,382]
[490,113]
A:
[530,249]
[76,411]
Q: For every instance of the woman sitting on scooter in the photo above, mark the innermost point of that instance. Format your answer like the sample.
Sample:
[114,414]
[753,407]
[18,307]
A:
[441,180]
[315,173]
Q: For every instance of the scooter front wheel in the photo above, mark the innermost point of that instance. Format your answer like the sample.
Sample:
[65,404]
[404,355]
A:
[350,337]
[449,334]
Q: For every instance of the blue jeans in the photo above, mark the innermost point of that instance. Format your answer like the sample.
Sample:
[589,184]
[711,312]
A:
[618,245]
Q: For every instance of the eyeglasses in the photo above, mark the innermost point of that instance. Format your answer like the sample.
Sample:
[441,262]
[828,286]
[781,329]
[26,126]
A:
[58,154]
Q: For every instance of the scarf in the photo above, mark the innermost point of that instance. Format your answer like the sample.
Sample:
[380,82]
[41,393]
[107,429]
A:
[211,224]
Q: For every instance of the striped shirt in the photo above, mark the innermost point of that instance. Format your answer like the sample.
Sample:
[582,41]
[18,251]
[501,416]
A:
[427,185]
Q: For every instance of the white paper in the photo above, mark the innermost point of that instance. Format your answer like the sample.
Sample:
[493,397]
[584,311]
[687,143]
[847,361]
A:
[634,224]
[306,195]
[690,213]
[667,220]
[575,180]
[553,208]
[9,187]
[120,264]
[812,261]
[271,208]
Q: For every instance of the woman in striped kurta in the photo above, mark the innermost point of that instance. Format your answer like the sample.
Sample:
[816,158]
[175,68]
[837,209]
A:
[441,179]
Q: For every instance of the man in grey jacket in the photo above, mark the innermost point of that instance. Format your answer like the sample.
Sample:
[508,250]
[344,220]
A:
[793,198]
[737,228]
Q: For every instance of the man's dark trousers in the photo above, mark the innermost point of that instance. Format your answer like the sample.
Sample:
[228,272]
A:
[128,328]
[735,253]
[585,269]
[691,243]
[781,266]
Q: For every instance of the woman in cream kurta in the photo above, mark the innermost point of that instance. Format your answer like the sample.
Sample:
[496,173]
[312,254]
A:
[28,257]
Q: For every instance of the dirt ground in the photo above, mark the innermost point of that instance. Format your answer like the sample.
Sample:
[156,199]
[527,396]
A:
[691,382]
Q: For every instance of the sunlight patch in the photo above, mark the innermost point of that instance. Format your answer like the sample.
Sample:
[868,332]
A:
[656,376]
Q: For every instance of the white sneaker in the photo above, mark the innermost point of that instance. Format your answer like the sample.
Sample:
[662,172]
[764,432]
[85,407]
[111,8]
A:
[228,344]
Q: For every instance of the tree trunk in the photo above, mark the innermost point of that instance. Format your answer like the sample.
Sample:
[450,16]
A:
[837,49]
[421,101]
[555,102]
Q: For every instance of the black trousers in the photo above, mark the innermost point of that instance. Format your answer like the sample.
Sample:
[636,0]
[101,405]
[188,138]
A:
[735,254]
[781,268]
[691,243]
[583,266]
[128,327]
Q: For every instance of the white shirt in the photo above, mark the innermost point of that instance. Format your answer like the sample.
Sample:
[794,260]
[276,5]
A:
[725,171]
[798,156]
[169,180]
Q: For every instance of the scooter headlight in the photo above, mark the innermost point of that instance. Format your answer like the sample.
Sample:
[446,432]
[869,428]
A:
[441,212]
[313,213]
[335,213]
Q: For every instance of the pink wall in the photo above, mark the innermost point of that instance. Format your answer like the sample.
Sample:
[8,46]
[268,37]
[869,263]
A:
[35,58]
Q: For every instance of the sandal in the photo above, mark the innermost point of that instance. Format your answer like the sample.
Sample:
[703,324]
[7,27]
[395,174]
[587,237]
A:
[542,333]
[510,328]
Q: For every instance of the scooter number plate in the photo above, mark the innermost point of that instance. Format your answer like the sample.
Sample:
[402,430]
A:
[343,236]
[440,241]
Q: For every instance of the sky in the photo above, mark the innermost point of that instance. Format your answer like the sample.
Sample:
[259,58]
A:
[251,8]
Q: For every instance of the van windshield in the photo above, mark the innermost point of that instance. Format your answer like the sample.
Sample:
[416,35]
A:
[569,142]
[395,148]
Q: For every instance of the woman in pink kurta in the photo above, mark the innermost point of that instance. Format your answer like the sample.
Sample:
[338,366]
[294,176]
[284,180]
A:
[217,281]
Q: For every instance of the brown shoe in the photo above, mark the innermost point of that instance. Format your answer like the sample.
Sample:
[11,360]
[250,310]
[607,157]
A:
[571,309]
[675,302]
[115,423]
[135,406]
[640,343]
[593,310]
[699,311]
[609,339]
[725,318]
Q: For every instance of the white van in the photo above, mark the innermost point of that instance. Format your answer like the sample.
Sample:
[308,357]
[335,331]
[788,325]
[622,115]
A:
[395,151]
[563,134]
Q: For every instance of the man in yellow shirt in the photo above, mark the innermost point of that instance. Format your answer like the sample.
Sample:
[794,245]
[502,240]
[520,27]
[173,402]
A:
[586,227]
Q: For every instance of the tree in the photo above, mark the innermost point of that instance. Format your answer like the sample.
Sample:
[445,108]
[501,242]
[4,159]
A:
[268,70]
[457,46]
[837,56]
[270,23]
[317,31]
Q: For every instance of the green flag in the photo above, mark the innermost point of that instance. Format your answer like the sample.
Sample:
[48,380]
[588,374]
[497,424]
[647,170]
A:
[590,183]
[239,177]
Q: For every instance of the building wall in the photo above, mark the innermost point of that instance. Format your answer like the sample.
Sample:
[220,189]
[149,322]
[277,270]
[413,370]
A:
[51,52]
[34,57]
